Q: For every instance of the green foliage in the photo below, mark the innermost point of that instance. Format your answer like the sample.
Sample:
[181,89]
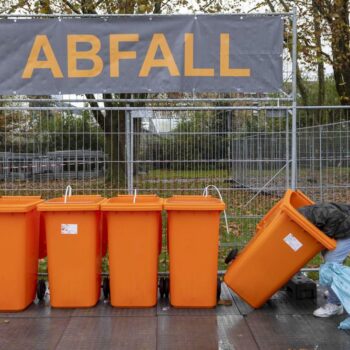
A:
[199,138]
[331,95]
[62,131]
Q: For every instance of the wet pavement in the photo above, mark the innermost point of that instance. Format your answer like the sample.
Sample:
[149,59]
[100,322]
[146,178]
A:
[282,323]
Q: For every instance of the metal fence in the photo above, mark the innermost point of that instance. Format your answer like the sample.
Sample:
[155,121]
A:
[182,151]
[245,151]
[324,153]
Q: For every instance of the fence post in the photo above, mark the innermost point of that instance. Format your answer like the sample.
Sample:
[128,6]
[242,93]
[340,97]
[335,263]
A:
[129,155]
[294,106]
[287,151]
[131,119]
[321,170]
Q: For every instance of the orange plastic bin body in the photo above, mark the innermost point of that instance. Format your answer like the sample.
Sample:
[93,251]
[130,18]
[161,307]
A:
[285,241]
[74,248]
[193,240]
[42,236]
[19,251]
[134,238]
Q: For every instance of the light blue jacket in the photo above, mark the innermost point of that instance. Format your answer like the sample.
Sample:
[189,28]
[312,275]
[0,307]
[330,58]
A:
[337,276]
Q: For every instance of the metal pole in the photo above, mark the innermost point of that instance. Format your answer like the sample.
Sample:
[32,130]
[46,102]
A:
[128,151]
[287,151]
[159,15]
[147,100]
[294,106]
[321,177]
[128,108]
[131,119]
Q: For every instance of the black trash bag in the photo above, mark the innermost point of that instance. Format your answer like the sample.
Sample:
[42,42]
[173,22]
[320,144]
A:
[231,255]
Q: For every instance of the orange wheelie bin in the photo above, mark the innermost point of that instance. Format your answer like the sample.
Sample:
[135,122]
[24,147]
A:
[74,248]
[134,240]
[193,241]
[19,251]
[284,242]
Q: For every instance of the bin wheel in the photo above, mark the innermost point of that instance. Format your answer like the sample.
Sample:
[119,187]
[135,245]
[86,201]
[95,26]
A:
[231,255]
[41,289]
[166,287]
[218,289]
[105,287]
[162,287]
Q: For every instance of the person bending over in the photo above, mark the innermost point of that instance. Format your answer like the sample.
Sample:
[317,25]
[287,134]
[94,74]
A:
[334,220]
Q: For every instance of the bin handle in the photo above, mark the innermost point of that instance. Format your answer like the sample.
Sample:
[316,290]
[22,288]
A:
[205,193]
[135,194]
[68,193]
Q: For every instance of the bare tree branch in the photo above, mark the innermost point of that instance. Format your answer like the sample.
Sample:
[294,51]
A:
[100,118]
[157,6]
[98,3]
[255,8]
[270,5]
[72,7]
[207,5]
[328,56]
[300,82]
[285,6]
[324,9]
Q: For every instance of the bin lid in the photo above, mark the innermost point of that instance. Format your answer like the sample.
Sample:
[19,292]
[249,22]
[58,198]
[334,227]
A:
[126,203]
[74,203]
[193,203]
[19,204]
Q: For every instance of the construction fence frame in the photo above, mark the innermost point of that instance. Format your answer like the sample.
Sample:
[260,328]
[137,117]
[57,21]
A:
[252,147]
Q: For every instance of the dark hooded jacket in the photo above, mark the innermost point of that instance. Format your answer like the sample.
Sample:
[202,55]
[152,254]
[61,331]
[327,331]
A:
[331,218]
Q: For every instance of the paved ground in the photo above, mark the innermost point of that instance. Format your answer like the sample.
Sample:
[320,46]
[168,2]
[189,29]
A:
[280,324]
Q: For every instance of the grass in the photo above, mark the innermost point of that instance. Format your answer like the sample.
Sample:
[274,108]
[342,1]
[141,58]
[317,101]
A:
[187,174]
[42,266]
[207,173]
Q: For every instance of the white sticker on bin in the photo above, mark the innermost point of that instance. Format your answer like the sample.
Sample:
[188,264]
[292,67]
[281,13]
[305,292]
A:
[293,242]
[69,229]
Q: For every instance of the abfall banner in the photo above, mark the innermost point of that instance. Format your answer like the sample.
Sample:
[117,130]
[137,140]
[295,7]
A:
[178,53]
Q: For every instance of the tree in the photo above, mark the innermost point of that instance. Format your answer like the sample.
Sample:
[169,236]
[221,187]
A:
[58,131]
[319,58]
[197,140]
[322,24]
[336,15]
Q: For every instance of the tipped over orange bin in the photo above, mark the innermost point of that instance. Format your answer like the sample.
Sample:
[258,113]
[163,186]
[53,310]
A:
[134,238]
[284,242]
[74,248]
[193,241]
[19,251]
